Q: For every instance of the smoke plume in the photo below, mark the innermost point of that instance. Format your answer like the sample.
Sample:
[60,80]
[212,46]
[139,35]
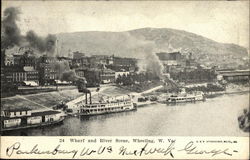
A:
[69,76]
[149,61]
[10,33]
[64,72]
[151,64]
[144,50]
[41,44]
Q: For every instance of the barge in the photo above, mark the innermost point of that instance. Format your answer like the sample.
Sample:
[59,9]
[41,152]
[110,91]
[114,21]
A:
[14,119]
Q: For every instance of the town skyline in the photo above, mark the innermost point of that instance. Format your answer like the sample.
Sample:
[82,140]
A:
[209,21]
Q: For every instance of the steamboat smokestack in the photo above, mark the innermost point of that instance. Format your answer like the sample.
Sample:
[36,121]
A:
[86,98]
[90,100]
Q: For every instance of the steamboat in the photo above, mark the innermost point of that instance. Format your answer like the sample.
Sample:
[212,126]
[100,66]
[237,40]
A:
[184,97]
[103,106]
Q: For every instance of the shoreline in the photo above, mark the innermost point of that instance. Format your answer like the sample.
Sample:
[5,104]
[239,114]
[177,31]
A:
[214,94]
[23,100]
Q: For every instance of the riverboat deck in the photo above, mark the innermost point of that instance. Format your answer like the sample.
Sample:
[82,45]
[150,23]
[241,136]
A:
[34,125]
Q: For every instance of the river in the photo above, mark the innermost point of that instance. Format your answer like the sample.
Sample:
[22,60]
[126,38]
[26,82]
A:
[214,117]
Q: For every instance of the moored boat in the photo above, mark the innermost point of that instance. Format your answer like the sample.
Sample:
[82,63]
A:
[197,96]
[13,119]
[104,106]
[101,106]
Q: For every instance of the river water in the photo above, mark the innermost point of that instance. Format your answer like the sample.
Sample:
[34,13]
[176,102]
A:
[214,117]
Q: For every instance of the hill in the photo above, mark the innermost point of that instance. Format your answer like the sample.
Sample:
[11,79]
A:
[140,42]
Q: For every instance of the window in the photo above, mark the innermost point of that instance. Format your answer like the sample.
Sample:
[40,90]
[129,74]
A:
[14,113]
[20,112]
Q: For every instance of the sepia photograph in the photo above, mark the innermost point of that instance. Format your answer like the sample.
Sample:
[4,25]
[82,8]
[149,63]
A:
[125,68]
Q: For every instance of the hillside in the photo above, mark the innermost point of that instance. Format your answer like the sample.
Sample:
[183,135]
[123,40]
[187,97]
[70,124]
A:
[140,42]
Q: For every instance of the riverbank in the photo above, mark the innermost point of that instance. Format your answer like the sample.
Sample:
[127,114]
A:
[215,117]
[40,100]
[142,87]
[28,90]
[230,89]
[69,95]
[48,100]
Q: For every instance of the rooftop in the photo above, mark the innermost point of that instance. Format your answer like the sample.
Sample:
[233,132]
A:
[17,109]
[28,69]
[42,113]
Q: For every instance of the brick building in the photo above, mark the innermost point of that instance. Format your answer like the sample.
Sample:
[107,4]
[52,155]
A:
[31,73]
[47,75]
[18,75]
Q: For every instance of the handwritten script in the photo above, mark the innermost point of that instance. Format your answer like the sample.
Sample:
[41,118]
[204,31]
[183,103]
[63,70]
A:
[168,150]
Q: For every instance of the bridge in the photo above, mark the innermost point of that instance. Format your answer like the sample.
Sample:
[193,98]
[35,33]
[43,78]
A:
[234,75]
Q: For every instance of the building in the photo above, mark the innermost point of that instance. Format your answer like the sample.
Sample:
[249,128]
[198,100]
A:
[177,62]
[15,75]
[110,60]
[9,60]
[81,62]
[107,76]
[98,61]
[25,50]
[23,60]
[18,75]
[28,60]
[80,72]
[78,55]
[24,57]
[234,75]
[92,77]
[17,58]
[32,74]
[120,61]
[117,74]
[171,59]
[2,57]
[120,64]
[47,74]
[67,59]
[3,76]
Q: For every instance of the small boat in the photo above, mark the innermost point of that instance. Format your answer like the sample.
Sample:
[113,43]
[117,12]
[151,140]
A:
[14,119]
[197,96]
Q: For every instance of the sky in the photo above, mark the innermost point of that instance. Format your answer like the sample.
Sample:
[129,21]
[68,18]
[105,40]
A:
[222,21]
